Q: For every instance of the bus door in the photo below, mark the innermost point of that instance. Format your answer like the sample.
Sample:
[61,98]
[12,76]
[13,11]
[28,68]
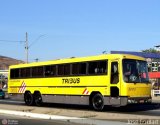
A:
[114,82]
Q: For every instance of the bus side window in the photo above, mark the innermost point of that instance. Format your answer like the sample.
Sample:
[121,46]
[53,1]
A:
[93,68]
[82,68]
[50,70]
[15,73]
[37,72]
[103,66]
[114,73]
[97,67]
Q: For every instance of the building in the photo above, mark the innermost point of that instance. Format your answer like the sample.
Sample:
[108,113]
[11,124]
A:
[5,62]
[3,79]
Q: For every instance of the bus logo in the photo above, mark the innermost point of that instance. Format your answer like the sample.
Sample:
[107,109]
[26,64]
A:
[22,87]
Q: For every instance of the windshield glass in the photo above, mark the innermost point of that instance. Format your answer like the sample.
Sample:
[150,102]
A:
[135,71]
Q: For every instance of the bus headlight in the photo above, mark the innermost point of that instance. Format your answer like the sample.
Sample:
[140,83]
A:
[131,101]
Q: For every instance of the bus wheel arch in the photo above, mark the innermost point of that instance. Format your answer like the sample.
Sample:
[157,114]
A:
[28,98]
[96,101]
[37,98]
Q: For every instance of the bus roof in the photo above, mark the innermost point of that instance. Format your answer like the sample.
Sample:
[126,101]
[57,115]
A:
[80,59]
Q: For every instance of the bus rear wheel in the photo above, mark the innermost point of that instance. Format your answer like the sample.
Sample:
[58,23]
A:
[28,98]
[97,102]
[38,99]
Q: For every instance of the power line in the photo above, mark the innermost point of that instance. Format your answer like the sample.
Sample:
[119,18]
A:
[11,41]
[26,44]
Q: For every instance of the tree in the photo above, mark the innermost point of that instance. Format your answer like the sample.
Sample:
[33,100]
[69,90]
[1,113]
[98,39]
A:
[151,50]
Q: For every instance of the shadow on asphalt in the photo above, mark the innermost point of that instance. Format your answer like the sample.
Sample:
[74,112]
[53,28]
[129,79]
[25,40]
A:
[141,109]
[126,109]
[135,109]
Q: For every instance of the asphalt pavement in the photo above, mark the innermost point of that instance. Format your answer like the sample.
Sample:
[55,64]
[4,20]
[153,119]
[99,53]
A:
[17,120]
[107,116]
[6,119]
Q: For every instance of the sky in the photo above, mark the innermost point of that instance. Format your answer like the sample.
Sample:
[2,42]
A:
[76,28]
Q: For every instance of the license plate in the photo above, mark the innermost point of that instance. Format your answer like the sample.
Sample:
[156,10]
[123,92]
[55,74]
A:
[141,101]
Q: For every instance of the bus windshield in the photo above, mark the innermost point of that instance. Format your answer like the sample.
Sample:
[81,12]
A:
[135,71]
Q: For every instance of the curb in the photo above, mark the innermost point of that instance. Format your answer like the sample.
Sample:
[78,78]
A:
[83,121]
[36,115]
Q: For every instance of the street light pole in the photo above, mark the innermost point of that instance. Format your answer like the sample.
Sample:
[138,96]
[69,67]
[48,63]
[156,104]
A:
[26,47]
[26,44]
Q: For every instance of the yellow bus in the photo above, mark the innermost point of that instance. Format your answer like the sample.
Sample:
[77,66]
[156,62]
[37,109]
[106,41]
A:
[108,79]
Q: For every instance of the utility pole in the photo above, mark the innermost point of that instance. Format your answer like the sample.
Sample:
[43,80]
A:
[26,47]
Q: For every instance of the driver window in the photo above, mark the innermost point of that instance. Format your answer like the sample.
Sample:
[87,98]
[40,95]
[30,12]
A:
[130,72]
[114,73]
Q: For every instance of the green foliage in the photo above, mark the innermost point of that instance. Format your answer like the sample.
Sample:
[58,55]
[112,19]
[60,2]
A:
[151,50]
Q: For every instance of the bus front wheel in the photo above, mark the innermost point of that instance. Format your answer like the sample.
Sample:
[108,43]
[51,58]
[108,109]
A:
[28,98]
[97,102]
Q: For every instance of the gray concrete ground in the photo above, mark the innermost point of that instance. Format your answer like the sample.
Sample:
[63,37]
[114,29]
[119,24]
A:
[123,114]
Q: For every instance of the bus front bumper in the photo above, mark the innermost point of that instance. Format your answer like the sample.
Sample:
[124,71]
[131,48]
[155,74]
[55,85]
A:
[123,101]
[139,100]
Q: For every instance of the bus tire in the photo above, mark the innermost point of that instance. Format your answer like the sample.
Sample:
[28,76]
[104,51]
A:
[38,99]
[97,102]
[28,98]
